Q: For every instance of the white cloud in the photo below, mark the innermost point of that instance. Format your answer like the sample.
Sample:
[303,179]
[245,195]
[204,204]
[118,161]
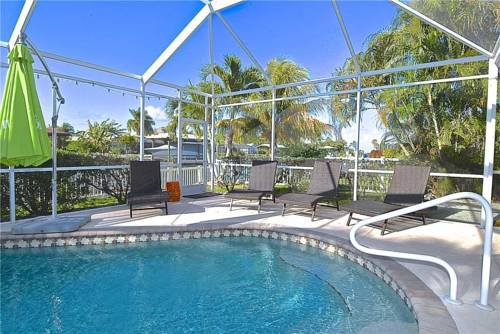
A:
[157,113]
[368,131]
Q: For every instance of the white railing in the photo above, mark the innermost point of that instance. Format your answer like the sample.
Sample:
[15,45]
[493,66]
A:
[295,174]
[488,235]
[190,176]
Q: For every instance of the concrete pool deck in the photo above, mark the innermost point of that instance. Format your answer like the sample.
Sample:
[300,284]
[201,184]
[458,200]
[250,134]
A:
[458,244]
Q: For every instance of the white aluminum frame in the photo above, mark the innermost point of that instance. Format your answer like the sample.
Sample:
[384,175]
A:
[243,46]
[489,141]
[347,39]
[358,129]
[183,36]
[441,27]
[22,22]
[142,117]
[213,7]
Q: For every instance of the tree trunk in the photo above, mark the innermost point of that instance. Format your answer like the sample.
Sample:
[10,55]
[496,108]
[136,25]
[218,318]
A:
[434,119]
[405,151]
[229,141]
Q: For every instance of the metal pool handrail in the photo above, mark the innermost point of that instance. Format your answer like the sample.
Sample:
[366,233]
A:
[488,235]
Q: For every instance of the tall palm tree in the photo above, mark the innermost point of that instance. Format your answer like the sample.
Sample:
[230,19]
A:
[295,119]
[134,124]
[233,77]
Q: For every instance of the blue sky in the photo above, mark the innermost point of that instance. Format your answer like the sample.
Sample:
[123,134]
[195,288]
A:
[129,35]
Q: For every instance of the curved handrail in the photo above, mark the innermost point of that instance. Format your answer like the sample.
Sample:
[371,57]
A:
[488,235]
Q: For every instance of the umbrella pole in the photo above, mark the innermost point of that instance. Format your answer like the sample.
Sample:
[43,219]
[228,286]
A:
[54,153]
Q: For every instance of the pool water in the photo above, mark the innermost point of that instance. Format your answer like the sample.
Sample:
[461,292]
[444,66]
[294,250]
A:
[228,285]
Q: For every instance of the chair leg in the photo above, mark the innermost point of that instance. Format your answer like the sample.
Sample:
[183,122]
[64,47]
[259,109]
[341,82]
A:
[231,205]
[337,202]
[284,208]
[130,205]
[423,220]
[274,198]
[349,219]
[166,208]
[384,227]
[260,204]
[314,212]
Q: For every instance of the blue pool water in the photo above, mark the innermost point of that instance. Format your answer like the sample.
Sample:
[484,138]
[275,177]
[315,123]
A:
[229,285]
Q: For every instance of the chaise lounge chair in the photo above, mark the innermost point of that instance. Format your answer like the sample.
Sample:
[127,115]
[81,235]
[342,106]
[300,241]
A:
[323,186]
[145,185]
[407,188]
[261,183]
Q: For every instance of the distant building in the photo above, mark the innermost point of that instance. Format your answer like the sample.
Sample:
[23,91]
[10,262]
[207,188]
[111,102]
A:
[242,148]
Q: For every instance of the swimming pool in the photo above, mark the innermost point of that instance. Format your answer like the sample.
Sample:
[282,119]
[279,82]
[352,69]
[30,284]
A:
[243,285]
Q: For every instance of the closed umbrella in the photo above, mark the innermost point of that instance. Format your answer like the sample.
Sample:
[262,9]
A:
[23,135]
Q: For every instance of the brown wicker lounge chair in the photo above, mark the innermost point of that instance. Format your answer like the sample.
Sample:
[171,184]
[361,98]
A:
[145,185]
[407,188]
[261,183]
[323,186]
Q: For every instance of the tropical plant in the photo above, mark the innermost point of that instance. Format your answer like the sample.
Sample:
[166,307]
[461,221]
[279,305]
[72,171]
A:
[134,124]
[99,136]
[295,119]
[442,124]
[341,107]
[431,119]
[233,76]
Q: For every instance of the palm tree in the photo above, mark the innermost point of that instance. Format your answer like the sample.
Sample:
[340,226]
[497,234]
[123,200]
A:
[134,124]
[295,119]
[234,77]
[431,118]
[342,107]
[189,110]
[99,136]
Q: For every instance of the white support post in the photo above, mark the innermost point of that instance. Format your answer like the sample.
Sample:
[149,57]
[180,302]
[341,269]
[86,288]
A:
[212,147]
[496,52]
[489,142]
[179,139]
[212,119]
[54,154]
[12,194]
[273,126]
[205,143]
[358,126]
[142,116]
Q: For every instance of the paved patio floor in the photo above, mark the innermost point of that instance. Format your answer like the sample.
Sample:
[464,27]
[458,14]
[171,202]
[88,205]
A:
[457,243]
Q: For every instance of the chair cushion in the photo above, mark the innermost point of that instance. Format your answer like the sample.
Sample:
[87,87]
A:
[137,198]
[245,194]
[296,198]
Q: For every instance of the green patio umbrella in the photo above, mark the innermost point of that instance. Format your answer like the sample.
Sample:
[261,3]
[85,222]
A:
[23,136]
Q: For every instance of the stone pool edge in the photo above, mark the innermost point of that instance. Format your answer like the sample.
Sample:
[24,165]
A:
[429,311]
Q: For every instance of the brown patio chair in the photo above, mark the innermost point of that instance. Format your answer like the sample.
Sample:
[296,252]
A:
[260,184]
[323,186]
[407,188]
[145,185]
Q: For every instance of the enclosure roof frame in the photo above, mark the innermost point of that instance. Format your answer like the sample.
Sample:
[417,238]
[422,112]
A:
[214,6]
